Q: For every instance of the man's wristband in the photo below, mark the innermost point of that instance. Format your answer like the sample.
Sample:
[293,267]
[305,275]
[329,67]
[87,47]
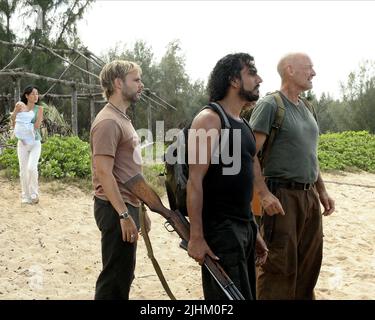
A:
[124,215]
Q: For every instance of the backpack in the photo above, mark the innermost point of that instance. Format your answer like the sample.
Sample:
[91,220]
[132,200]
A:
[276,126]
[177,172]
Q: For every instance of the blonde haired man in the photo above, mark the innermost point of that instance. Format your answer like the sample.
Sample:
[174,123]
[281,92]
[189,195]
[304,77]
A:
[115,159]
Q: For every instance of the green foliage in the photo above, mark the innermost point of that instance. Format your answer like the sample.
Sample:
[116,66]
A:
[9,159]
[347,151]
[69,159]
[153,175]
[66,157]
[168,80]
[355,110]
[54,122]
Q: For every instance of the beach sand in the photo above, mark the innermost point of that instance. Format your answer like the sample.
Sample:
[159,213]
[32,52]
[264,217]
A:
[52,250]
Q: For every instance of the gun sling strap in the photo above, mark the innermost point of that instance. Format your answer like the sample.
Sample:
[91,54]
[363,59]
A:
[150,254]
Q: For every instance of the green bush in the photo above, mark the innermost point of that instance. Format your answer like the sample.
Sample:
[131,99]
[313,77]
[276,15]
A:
[152,174]
[69,157]
[9,159]
[62,157]
[347,151]
[65,157]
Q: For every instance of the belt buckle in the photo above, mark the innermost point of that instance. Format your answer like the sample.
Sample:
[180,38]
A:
[306,186]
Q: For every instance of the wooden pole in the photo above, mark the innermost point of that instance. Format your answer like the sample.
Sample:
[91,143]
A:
[74,111]
[149,123]
[91,99]
[92,110]
[36,76]
[7,98]
[17,89]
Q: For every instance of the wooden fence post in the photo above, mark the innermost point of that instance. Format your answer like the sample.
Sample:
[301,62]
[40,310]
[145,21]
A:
[17,89]
[91,99]
[74,111]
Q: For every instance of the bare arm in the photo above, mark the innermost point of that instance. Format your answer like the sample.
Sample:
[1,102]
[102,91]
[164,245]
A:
[327,202]
[199,149]
[104,167]
[269,202]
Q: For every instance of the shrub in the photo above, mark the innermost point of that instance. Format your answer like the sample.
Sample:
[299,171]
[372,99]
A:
[347,151]
[152,174]
[9,159]
[65,157]
[62,157]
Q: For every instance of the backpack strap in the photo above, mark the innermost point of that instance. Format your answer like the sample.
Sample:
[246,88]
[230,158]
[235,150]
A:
[220,111]
[276,125]
[310,106]
[248,125]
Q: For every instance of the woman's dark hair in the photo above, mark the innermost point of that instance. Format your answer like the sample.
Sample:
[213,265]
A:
[28,89]
[226,69]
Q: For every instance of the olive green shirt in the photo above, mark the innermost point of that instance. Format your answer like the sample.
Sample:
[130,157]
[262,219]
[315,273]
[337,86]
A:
[293,155]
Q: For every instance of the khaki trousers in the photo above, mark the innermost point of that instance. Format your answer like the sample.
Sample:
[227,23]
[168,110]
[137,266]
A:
[295,242]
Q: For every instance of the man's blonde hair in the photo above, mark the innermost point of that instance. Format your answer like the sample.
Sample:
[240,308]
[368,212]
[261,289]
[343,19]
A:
[115,69]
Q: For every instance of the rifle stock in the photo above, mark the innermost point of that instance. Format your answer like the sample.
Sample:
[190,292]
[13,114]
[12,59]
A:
[138,186]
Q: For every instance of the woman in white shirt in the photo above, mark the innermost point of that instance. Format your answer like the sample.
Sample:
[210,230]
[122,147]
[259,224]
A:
[24,128]
[27,118]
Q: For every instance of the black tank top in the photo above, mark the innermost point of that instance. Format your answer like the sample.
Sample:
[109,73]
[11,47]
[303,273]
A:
[229,196]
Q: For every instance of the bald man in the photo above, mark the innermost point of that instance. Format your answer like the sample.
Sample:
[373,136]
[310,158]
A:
[290,183]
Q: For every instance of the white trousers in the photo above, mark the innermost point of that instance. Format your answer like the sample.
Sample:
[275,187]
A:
[28,157]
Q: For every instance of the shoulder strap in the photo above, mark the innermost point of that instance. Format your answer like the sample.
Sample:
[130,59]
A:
[150,254]
[248,125]
[310,106]
[276,125]
[220,111]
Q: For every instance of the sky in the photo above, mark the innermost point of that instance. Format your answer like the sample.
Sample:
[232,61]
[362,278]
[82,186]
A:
[337,35]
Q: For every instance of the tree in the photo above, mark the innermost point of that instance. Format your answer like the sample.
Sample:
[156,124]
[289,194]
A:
[359,94]
[7,8]
[56,20]
[168,80]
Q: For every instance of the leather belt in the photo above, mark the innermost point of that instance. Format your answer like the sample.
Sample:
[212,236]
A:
[291,185]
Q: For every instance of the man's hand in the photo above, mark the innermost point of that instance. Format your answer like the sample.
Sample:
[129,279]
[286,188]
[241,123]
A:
[261,251]
[271,204]
[197,249]
[129,230]
[327,202]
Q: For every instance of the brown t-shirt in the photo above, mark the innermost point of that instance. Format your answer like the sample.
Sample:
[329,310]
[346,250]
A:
[113,135]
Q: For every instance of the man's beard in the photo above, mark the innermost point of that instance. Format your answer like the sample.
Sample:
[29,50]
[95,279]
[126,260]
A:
[130,97]
[248,95]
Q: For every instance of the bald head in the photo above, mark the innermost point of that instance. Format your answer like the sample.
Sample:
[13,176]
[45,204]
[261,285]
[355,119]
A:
[290,60]
[296,70]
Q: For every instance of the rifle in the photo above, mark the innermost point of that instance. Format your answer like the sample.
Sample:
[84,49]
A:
[177,222]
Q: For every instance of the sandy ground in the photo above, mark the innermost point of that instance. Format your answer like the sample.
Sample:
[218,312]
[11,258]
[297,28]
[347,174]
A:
[52,250]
